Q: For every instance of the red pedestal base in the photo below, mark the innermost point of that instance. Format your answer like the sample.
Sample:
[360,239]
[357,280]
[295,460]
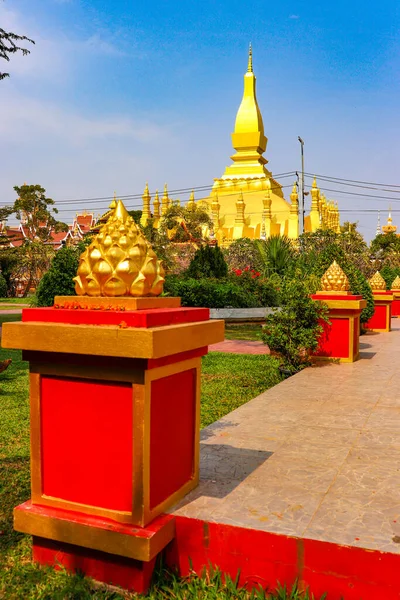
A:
[103,549]
[340,338]
[396,303]
[381,319]
[132,575]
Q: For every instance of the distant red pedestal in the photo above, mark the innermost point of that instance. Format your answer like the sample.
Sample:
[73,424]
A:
[396,303]
[381,319]
[115,408]
[340,338]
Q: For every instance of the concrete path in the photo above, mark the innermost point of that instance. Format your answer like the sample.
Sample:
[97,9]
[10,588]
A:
[240,347]
[317,456]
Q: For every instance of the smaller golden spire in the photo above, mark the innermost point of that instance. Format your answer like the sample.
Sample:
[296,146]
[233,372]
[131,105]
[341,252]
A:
[156,205]
[215,208]
[294,197]
[113,202]
[334,280]
[165,201]
[250,63]
[146,212]
[191,204]
[240,206]
[377,282]
[396,283]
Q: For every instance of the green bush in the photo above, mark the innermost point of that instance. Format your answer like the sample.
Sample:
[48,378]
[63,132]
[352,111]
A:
[58,281]
[208,262]
[293,331]
[210,293]
[389,274]
[3,286]
[243,253]
[264,290]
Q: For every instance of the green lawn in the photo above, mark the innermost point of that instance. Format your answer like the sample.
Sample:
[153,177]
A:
[228,381]
[8,318]
[15,301]
[243,331]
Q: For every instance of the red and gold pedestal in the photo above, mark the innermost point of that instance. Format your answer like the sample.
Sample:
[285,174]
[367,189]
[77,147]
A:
[381,319]
[340,338]
[115,404]
[396,303]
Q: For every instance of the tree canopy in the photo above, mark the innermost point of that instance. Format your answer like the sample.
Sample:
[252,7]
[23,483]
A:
[9,45]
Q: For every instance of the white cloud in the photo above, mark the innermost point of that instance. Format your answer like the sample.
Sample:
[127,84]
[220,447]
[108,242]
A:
[294,17]
[29,118]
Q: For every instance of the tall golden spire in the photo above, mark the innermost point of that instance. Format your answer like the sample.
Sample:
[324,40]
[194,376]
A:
[248,137]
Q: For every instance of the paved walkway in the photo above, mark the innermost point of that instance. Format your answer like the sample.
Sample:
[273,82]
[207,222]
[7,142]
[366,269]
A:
[240,347]
[317,456]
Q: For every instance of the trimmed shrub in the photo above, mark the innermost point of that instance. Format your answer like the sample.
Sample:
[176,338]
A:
[208,262]
[209,293]
[293,331]
[58,281]
[389,274]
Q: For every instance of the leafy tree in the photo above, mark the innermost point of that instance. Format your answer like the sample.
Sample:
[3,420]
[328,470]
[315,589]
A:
[3,286]
[58,281]
[183,224]
[294,330]
[36,211]
[208,262]
[385,244]
[33,259]
[136,215]
[243,253]
[9,46]
[277,252]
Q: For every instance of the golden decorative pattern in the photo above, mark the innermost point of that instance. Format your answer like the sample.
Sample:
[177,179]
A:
[335,279]
[119,261]
[396,284]
[377,282]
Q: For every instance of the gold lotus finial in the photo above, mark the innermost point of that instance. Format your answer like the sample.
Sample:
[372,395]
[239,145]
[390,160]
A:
[396,283]
[335,280]
[377,282]
[119,261]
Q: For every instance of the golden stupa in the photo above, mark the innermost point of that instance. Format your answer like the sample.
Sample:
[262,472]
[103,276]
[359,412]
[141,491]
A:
[119,261]
[335,280]
[247,201]
[377,282]
[396,283]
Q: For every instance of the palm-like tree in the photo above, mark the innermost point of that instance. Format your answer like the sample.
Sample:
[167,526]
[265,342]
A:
[277,252]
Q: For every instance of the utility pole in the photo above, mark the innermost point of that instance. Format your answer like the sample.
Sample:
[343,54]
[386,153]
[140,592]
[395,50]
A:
[302,211]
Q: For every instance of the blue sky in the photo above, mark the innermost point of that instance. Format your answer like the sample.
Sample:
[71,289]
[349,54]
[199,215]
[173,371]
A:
[117,93]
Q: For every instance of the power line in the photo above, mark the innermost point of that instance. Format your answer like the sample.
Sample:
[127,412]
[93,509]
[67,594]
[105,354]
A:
[352,180]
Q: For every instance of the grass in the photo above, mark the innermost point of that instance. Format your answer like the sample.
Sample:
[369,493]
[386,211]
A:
[243,331]
[228,381]
[15,300]
[8,318]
